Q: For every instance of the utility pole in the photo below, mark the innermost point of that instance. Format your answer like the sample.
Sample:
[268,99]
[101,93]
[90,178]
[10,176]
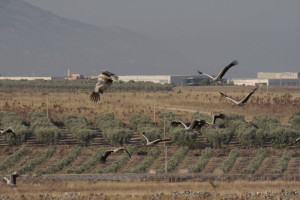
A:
[47,107]
[166,153]
[154,111]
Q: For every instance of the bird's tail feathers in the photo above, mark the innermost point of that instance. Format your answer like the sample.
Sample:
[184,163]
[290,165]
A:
[95,97]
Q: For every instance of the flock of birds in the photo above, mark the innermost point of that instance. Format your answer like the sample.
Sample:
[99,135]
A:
[106,80]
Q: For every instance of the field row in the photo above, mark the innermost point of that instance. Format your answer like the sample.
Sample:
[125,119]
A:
[174,159]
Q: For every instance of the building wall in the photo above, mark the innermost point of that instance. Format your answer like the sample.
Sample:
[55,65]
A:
[250,81]
[24,78]
[154,79]
[284,82]
[274,75]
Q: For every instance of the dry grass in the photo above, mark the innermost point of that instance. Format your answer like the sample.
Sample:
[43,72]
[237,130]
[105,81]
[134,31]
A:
[280,102]
[148,188]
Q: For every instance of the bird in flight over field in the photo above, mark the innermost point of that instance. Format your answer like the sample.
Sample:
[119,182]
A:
[13,179]
[241,102]
[154,141]
[106,80]
[196,124]
[219,77]
[108,152]
[8,130]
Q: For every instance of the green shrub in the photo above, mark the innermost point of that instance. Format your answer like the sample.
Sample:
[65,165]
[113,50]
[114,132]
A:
[62,163]
[294,121]
[14,121]
[102,120]
[79,127]
[117,136]
[118,164]
[151,133]
[228,163]
[202,162]
[45,131]
[281,137]
[255,162]
[183,138]
[198,115]
[281,166]
[36,161]
[152,155]
[89,164]
[12,159]
[165,120]
[136,121]
[175,160]
[218,136]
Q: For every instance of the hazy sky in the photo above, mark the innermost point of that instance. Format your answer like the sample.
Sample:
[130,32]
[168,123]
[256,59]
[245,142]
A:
[263,35]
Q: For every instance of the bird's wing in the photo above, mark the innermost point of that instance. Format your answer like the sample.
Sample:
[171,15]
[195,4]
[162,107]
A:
[175,123]
[297,140]
[244,100]
[7,180]
[225,69]
[216,116]
[107,73]
[8,130]
[194,123]
[127,152]
[107,153]
[205,74]
[228,97]
[145,137]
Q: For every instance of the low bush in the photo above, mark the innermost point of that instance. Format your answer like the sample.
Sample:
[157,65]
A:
[175,160]
[218,136]
[282,136]
[12,120]
[89,164]
[281,166]
[294,121]
[36,161]
[202,162]
[255,162]
[136,121]
[12,159]
[183,138]
[228,163]
[79,127]
[62,163]
[45,131]
[152,155]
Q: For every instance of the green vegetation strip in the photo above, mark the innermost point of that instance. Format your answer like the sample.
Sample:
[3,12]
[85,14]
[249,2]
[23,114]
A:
[255,162]
[12,120]
[89,164]
[11,160]
[202,162]
[152,155]
[36,161]
[60,164]
[118,164]
[283,163]
[175,160]
[228,163]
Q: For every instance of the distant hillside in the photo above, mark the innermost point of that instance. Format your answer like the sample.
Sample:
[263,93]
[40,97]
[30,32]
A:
[32,39]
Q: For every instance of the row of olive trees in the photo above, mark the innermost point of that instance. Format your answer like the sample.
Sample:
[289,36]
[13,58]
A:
[79,127]
[113,131]
[8,119]
[45,131]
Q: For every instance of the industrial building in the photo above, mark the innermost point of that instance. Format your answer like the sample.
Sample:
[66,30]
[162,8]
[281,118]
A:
[271,79]
[165,79]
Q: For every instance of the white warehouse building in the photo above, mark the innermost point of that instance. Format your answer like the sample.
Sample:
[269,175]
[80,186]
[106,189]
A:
[272,79]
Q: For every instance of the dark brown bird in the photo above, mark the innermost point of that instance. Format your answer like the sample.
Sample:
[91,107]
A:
[108,152]
[106,80]
[154,141]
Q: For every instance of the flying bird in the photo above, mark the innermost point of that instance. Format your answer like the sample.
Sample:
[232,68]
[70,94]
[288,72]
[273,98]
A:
[154,141]
[215,117]
[222,73]
[108,152]
[13,179]
[297,140]
[241,102]
[196,124]
[8,130]
[106,80]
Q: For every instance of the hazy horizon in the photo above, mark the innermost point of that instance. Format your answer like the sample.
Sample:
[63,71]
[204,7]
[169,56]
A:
[261,35]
